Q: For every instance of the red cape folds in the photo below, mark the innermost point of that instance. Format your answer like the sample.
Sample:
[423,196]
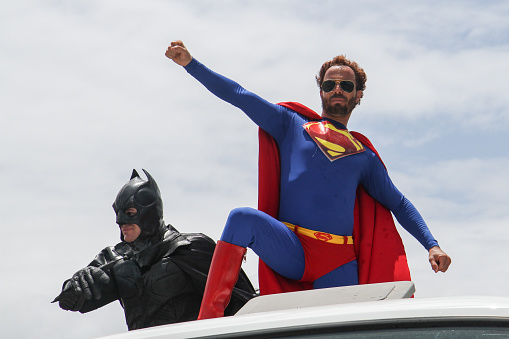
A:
[378,247]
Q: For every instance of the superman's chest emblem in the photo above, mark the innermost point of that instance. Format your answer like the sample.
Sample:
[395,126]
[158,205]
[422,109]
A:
[335,143]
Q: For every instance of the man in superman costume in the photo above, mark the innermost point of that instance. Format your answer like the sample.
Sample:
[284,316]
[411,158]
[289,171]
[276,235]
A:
[324,195]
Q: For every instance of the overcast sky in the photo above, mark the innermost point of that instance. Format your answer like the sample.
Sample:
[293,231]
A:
[87,95]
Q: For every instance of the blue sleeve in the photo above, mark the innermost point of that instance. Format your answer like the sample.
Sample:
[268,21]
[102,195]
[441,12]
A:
[379,185]
[272,118]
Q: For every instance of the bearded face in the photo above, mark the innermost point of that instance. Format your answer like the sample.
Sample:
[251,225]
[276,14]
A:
[339,101]
[333,107]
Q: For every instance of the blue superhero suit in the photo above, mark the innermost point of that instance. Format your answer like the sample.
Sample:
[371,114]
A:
[316,192]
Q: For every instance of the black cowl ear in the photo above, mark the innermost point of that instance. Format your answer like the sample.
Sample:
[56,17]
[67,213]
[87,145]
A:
[134,175]
[152,183]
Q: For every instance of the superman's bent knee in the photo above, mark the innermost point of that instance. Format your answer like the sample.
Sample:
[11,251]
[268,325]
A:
[241,224]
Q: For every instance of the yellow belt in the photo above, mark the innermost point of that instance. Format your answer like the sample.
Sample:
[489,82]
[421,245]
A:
[326,237]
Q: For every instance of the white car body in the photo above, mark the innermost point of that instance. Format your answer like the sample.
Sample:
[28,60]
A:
[364,311]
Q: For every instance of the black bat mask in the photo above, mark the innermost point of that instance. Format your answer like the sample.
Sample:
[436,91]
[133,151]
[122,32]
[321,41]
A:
[143,195]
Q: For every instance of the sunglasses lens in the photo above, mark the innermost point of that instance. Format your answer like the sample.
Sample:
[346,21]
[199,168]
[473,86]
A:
[328,85]
[347,86]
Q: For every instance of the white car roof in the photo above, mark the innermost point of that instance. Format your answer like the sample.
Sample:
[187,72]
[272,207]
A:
[297,310]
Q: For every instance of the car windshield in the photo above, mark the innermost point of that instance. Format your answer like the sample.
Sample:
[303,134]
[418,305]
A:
[414,333]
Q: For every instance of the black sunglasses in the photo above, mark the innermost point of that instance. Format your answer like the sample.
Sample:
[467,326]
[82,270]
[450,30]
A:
[346,85]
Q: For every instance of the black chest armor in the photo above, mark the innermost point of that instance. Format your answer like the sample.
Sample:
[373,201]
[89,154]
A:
[157,295]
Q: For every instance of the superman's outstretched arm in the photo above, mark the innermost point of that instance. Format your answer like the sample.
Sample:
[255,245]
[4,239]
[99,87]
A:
[380,186]
[272,118]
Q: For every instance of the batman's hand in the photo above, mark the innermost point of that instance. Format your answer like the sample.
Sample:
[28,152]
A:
[70,299]
[88,282]
[84,285]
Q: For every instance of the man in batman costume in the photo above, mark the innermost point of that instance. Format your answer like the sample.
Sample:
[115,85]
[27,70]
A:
[157,273]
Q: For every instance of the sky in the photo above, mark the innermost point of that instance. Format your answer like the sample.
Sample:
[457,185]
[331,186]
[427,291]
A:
[86,95]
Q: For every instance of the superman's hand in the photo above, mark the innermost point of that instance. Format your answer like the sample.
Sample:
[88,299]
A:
[178,53]
[438,259]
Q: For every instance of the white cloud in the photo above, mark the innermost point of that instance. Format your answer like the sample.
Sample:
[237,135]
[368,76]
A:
[465,189]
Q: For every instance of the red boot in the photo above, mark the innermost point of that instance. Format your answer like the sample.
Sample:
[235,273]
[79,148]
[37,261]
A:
[223,275]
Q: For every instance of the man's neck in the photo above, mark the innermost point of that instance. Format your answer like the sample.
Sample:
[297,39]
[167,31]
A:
[342,119]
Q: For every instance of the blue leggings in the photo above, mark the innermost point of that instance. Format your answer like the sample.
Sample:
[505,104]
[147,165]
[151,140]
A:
[279,247]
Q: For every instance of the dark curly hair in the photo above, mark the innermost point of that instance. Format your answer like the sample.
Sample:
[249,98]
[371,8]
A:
[341,60]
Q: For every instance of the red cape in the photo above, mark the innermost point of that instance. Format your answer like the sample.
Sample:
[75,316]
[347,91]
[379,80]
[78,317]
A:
[380,253]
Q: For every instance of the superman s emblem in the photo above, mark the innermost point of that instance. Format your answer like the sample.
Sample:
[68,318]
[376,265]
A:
[335,143]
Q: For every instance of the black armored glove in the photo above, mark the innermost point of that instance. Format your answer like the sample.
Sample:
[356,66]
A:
[84,285]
